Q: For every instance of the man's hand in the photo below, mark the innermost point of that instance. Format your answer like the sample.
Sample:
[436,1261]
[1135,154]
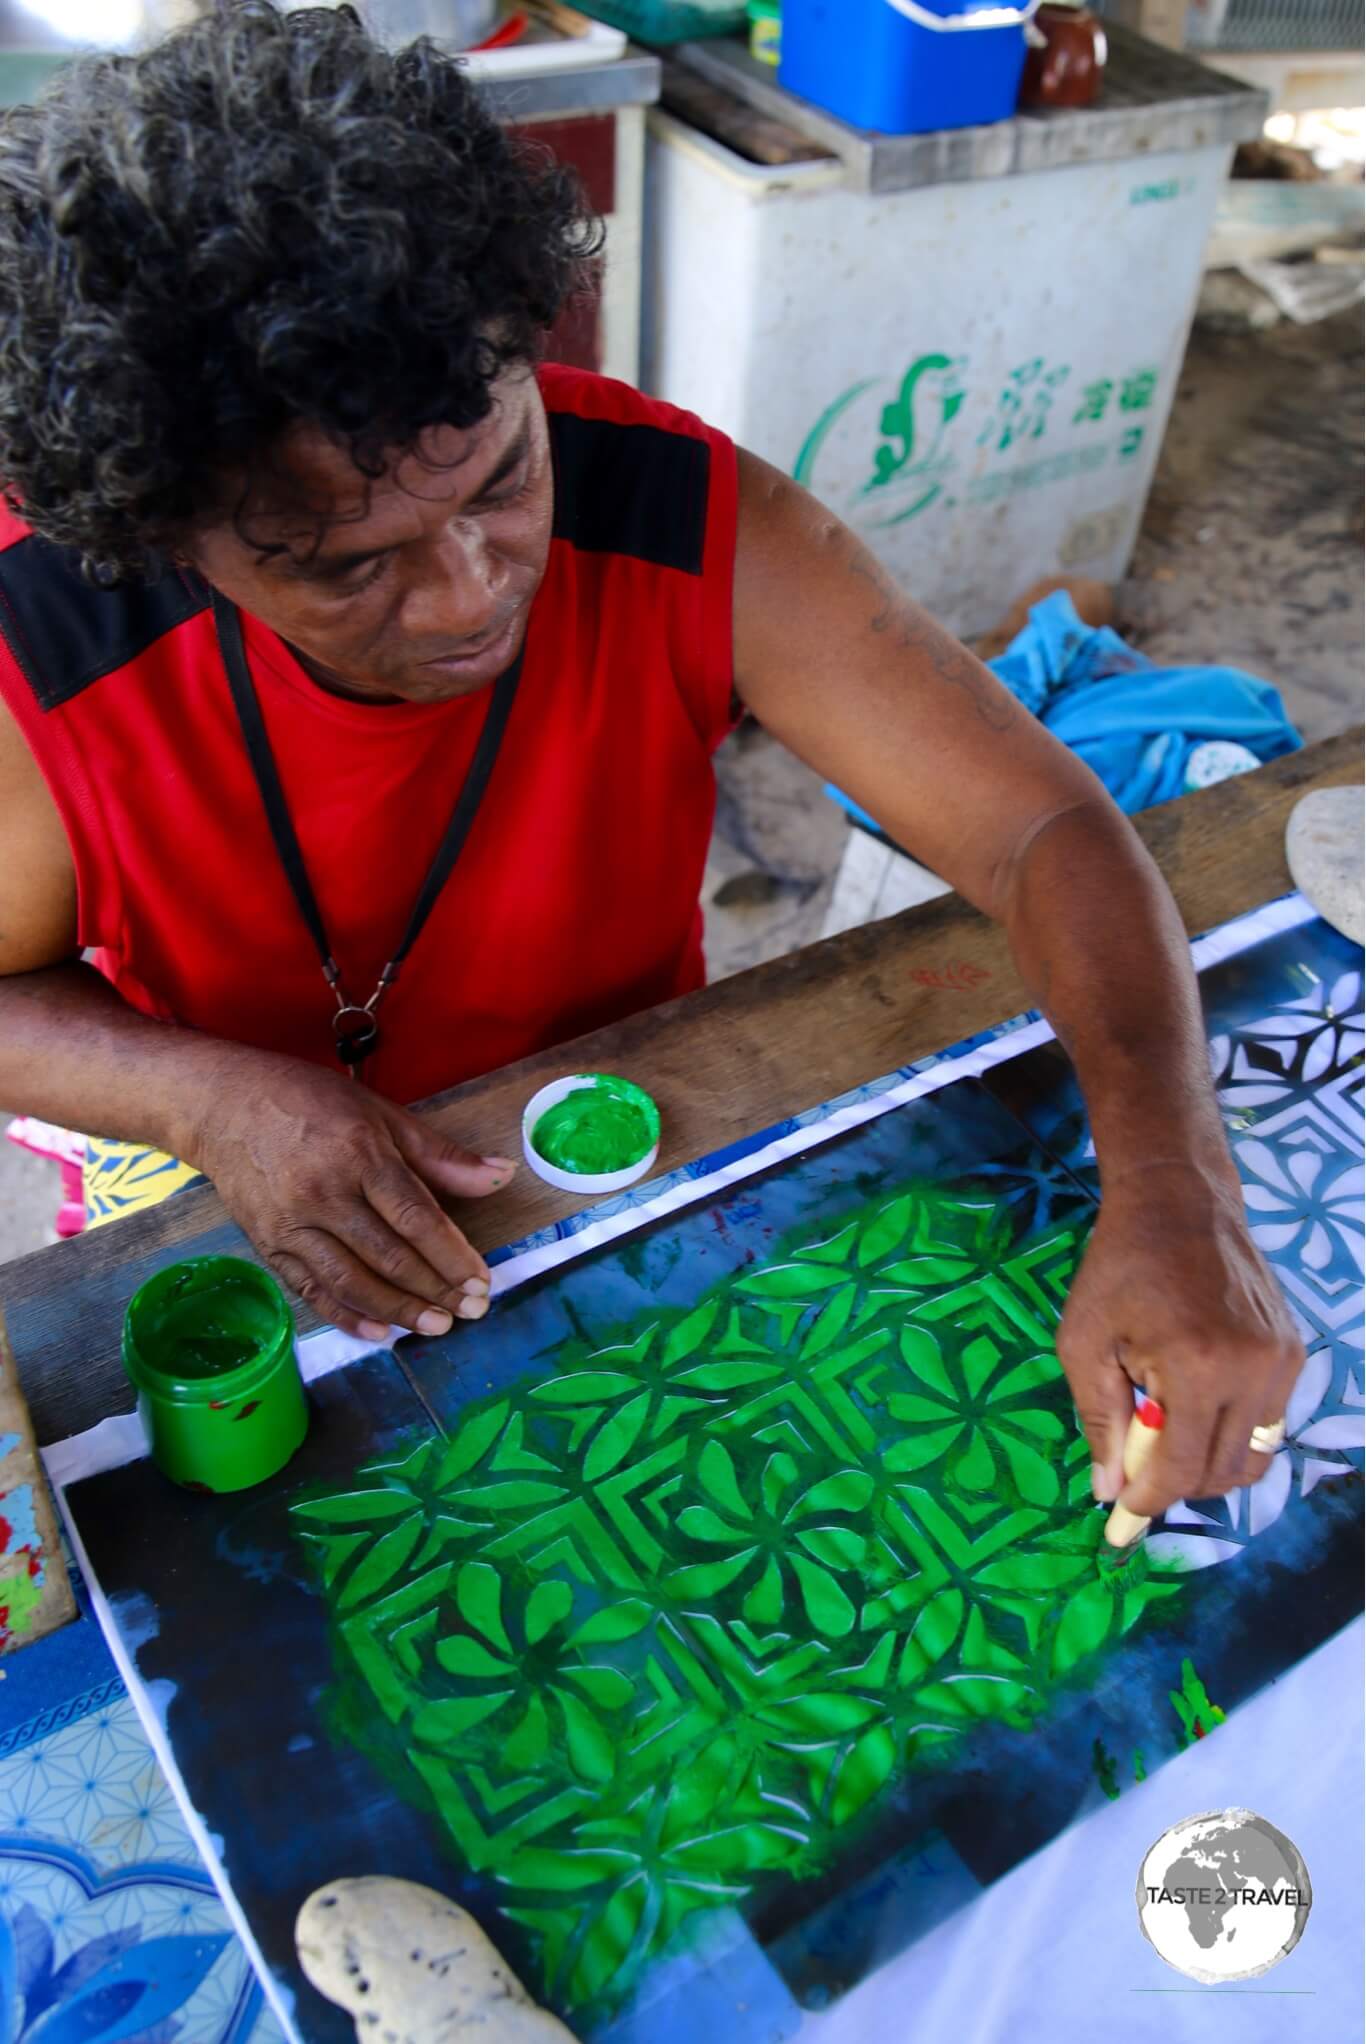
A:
[337,1190]
[1174,1296]
[335,1187]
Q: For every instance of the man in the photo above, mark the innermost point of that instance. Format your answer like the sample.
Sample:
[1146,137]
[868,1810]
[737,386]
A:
[385,745]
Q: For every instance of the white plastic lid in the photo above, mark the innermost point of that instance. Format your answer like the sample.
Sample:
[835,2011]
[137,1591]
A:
[590,1184]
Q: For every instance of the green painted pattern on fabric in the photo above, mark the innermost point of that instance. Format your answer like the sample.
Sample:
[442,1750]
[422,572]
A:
[651,1629]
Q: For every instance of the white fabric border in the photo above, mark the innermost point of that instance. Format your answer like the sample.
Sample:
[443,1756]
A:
[1051,1952]
[114,1442]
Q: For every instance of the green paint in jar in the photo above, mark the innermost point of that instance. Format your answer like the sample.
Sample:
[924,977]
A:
[604,1126]
[208,1344]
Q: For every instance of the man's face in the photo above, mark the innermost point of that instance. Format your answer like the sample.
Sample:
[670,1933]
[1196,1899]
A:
[422,583]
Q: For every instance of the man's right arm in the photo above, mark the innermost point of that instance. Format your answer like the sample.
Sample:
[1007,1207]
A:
[70,1050]
[336,1188]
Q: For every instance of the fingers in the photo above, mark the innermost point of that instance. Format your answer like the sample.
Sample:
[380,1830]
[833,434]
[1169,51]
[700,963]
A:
[1256,1461]
[1199,1455]
[1105,1405]
[1205,1447]
[292,1271]
[445,1164]
[341,1287]
[1175,1469]
[437,1260]
[1254,1468]
[455,1283]
[1229,1450]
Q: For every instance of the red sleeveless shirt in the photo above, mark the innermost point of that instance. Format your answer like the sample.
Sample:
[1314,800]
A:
[576,898]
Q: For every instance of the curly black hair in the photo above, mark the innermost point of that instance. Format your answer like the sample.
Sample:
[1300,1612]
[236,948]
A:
[266,218]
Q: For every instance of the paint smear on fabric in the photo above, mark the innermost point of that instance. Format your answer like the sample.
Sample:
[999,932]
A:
[1192,1705]
[21,1563]
[1103,1761]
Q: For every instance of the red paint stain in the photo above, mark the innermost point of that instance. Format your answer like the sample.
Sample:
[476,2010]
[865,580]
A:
[247,1411]
[1199,1729]
[959,977]
[1151,1414]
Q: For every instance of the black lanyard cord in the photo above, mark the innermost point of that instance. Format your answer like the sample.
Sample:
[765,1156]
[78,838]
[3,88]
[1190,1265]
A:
[355,1028]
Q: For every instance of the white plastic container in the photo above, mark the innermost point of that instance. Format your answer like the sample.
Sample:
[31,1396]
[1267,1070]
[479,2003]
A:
[976,376]
[590,1184]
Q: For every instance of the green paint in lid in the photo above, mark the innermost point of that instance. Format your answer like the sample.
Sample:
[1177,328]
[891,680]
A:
[603,1126]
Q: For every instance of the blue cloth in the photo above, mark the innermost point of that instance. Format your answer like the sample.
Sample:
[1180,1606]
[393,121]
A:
[1135,724]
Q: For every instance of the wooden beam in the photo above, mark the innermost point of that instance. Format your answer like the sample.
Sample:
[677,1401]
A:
[723,1063]
[713,111]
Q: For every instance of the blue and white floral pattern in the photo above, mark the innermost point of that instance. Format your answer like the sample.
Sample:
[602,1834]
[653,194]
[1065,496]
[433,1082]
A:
[111,1930]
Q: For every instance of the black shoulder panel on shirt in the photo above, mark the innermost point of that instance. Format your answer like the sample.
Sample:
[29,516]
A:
[65,632]
[636,490]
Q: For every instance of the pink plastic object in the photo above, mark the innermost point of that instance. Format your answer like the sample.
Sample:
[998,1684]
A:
[67,1151]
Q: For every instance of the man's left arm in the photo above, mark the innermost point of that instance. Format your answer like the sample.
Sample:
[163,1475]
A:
[862,684]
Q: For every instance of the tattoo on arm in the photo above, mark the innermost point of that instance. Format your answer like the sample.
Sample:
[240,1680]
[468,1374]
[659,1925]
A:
[874,576]
[918,633]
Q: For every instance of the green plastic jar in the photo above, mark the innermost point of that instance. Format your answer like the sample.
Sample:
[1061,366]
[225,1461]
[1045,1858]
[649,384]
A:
[208,1345]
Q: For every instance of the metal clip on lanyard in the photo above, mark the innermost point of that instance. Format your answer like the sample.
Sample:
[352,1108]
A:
[355,1027]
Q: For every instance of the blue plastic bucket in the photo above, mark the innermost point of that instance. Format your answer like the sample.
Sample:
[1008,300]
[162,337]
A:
[906,66]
